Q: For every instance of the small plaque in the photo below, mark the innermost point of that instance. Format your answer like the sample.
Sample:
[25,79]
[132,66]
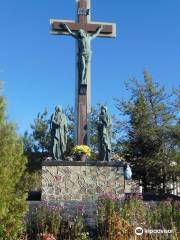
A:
[83,11]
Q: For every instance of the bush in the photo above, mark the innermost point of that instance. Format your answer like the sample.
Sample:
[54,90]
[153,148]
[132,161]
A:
[49,222]
[117,221]
[12,166]
[114,220]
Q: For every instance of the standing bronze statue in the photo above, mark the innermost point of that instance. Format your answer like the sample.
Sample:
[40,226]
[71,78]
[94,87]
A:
[104,134]
[58,134]
[84,50]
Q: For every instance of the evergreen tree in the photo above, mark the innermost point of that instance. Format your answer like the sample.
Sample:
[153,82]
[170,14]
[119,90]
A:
[41,133]
[149,143]
[12,166]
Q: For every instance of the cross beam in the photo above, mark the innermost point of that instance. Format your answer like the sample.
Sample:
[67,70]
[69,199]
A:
[83,103]
[57,28]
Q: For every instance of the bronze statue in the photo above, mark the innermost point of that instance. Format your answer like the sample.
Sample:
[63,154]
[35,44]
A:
[104,134]
[84,50]
[58,134]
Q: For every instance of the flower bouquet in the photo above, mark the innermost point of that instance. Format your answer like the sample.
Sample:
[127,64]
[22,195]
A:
[81,152]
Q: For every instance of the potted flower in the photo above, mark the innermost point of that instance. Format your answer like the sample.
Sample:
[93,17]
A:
[81,152]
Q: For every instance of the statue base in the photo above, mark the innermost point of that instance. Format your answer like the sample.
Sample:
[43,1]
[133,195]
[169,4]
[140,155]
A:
[66,181]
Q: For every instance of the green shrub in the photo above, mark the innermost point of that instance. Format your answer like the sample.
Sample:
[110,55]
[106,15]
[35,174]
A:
[12,166]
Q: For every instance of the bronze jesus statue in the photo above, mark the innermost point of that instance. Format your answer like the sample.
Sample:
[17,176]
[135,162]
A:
[84,50]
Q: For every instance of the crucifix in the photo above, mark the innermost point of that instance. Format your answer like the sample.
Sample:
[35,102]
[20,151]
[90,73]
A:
[84,31]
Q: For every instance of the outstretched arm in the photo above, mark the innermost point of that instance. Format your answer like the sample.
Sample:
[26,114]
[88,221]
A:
[99,29]
[69,30]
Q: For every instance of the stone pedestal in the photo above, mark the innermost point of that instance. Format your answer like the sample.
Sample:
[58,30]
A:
[81,181]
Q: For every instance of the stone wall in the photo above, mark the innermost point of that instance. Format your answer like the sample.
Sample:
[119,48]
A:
[79,181]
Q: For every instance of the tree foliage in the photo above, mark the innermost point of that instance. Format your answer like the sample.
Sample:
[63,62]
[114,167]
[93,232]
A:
[150,134]
[41,133]
[12,166]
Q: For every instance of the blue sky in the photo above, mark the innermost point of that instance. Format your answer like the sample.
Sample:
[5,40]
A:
[38,68]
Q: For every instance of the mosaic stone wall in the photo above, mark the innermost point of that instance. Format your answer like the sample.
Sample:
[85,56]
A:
[80,183]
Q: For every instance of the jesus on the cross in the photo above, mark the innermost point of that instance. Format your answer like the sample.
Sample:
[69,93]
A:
[83,30]
[84,50]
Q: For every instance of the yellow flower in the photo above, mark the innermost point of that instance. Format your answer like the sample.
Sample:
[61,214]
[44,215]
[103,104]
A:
[82,149]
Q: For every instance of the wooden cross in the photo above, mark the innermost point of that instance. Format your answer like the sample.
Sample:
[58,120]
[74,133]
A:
[83,102]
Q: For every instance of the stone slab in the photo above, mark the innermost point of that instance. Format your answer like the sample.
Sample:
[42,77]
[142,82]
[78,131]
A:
[81,181]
